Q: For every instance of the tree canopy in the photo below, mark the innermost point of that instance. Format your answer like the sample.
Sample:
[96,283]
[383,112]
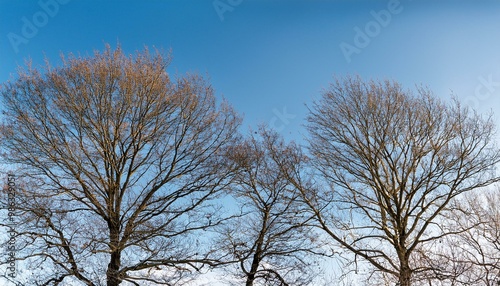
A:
[125,175]
[120,164]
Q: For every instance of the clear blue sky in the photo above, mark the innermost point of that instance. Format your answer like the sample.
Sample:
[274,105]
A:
[267,56]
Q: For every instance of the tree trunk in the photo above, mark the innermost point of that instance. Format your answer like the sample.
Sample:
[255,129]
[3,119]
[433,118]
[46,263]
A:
[113,273]
[405,274]
[250,279]
[258,250]
[254,267]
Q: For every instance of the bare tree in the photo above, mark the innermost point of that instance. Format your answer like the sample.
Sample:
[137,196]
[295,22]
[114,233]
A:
[391,161]
[271,240]
[472,255]
[480,240]
[121,166]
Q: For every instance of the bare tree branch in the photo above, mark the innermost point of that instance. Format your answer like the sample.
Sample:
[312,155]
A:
[271,240]
[121,164]
[395,160]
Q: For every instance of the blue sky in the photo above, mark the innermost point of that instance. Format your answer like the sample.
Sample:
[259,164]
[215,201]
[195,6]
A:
[270,58]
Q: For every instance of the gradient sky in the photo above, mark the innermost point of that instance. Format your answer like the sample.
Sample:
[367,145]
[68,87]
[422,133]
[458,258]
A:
[271,58]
